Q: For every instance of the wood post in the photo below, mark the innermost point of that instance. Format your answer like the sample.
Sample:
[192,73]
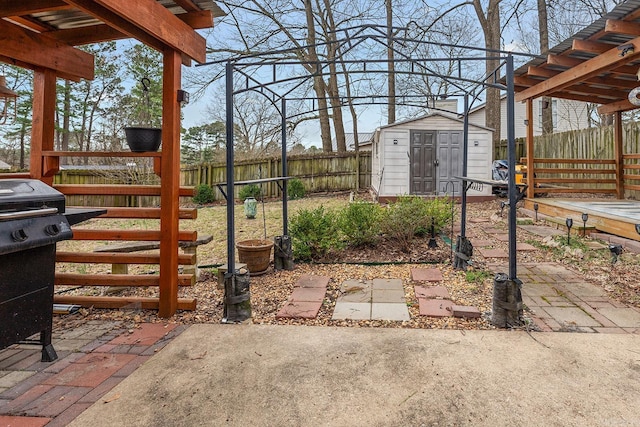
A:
[43,121]
[170,183]
[618,154]
[530,148]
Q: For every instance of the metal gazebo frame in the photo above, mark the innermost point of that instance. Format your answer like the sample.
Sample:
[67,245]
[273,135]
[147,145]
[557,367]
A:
[238,65]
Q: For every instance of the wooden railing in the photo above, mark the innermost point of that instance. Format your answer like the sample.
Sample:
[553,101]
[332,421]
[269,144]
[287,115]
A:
[574,175]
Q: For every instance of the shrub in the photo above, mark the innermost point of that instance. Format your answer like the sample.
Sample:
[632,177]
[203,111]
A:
[404,219]
[314,234]
[203,194]
[250,190]
[440,211]
[360,223]
[295,189]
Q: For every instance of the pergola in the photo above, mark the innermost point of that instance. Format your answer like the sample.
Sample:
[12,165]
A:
[41,35]
[600,64]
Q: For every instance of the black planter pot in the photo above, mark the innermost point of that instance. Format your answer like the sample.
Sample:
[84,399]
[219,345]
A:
[141,139]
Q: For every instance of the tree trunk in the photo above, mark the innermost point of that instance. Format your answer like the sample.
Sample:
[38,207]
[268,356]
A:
[391,77]
[318,82]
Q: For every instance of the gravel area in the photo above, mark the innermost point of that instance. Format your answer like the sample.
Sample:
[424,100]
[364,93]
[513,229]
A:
[270,291]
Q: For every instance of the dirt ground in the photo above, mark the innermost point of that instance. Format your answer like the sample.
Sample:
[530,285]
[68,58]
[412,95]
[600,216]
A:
[270,291]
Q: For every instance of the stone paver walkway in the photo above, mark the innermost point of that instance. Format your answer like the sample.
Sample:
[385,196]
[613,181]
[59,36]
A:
[435,301]
[92,359]
[561,300]
[377,299]
[306,299]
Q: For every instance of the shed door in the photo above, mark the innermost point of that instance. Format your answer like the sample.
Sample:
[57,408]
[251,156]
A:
[422,159]
[449,162]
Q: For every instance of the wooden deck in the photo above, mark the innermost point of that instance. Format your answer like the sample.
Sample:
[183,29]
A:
[613,216]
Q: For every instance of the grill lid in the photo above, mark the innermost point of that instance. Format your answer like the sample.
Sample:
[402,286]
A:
[25,194]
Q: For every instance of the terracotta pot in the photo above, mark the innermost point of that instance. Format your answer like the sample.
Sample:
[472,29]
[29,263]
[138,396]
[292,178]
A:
[256,253]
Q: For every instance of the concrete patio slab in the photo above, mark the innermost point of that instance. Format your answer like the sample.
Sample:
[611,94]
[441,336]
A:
[311,281]
[299,310]
[308,294]
[525,247]
[501,237]
[356,295]
[584,289]
[300,375]
[479,243]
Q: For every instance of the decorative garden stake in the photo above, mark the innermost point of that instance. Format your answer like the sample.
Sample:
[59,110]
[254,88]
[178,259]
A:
[535,208]
[569,223]
[585,218]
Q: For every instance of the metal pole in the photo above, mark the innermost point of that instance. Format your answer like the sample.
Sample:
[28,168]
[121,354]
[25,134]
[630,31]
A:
[285,223]
[511,146]
[230,178]
[465,155]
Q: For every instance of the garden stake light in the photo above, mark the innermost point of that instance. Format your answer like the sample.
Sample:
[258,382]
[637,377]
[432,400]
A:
[585,217]
[535,208]
[569,223]
[616,250]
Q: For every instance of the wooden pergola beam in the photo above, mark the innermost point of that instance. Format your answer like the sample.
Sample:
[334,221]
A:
[589,68]
[590,46]
[614,107]
[102,32]
[149,22]
[39,50]
[622,27]
[23,7]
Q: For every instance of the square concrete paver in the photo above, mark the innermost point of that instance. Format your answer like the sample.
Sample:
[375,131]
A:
[501,237]
[388,296]
[479,243]
[533,289]
[623,317]
[571,316]
[356,296]
[426,275]
[389,311]
[308,294]
[387,284]
[525,247]
[432,292]
[299,310]
[493,253]
[310,281]
[356,285]
[435,307]
[352,310]
[585,289]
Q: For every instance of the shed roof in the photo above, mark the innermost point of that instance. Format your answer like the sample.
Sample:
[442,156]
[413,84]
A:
[427,116]
[599,64]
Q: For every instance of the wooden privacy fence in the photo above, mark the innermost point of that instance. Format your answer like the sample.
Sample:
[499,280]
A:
[319,173]
[324,172]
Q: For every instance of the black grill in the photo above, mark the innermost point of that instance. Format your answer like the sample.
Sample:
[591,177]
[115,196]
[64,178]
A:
[32,220]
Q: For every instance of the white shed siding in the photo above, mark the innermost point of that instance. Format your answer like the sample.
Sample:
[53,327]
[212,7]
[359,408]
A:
[393,158]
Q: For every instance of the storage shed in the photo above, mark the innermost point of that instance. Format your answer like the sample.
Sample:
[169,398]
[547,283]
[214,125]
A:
[422,156]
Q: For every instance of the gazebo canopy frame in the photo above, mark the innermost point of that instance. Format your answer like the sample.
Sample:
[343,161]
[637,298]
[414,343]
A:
[354,37]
